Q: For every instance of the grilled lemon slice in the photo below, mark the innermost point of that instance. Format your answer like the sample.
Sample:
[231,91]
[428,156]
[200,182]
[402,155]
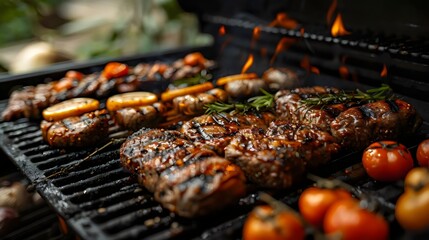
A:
[69,108]
[131,99]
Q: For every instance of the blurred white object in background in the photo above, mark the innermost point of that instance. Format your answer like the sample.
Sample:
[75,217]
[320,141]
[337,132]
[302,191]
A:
[36,56]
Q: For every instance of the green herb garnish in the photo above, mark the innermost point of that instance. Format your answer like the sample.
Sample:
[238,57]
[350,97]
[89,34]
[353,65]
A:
[382,93]
[259,103]
[201,77]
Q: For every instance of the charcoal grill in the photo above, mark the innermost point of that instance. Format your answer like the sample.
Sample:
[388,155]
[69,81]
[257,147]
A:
[99,200]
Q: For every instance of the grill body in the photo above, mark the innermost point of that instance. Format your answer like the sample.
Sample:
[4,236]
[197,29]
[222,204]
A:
[100,200]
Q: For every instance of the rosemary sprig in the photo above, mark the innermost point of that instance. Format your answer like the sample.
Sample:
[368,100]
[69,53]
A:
[201,77]
[382,93]
[259,103]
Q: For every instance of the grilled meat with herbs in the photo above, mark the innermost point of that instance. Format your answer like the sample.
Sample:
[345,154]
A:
[148,152]
[203,184]
[290,107]
[268,161]
[357,127]
[215,131]
[76,132]
[319,145]
[185,178]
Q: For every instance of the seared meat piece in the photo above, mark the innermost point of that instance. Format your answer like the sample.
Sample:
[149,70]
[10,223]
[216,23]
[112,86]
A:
[138,117]
[148,152]
[245,88]
[289,107]
[204,184]
[215,131]
[76,132]
[359,126]
[192,105]
[280,78]
[28,102]
[268,161]
[186,179]
[322,145]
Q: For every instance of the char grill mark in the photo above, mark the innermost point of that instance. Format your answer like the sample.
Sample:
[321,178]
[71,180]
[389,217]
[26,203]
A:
[29,102]
[76,132]
[186,179]
[148,152]
[215,131]
[319,146]
[357,127]
[289,107]
[209,184]
[268,161]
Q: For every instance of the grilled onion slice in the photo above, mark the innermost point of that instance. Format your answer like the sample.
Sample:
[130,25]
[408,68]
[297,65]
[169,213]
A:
[69,108]
[131,99]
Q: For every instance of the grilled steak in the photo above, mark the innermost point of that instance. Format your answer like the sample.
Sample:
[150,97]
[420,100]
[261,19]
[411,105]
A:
[319,145]
[215,131]
[289,107]
[136,118]
[359,126]
[148,152]
[186,179]
[29,102]
[203,184]
[76,132]
[268,161]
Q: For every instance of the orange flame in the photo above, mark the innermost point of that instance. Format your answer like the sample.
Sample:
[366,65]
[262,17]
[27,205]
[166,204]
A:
[256,32]
[283,20]
[248,64]
[284,44]
[255,35]
[305,64]
[222,30]
[344,72]
[384,71]
[330,12]
[338,28]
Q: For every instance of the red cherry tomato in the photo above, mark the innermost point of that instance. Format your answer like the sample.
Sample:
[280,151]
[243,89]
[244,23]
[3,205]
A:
[115,69]
[265,223]
[74,75]
[194,59]
[314,202]
[347,219]
[422,153]
[71,79]
[387,161]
